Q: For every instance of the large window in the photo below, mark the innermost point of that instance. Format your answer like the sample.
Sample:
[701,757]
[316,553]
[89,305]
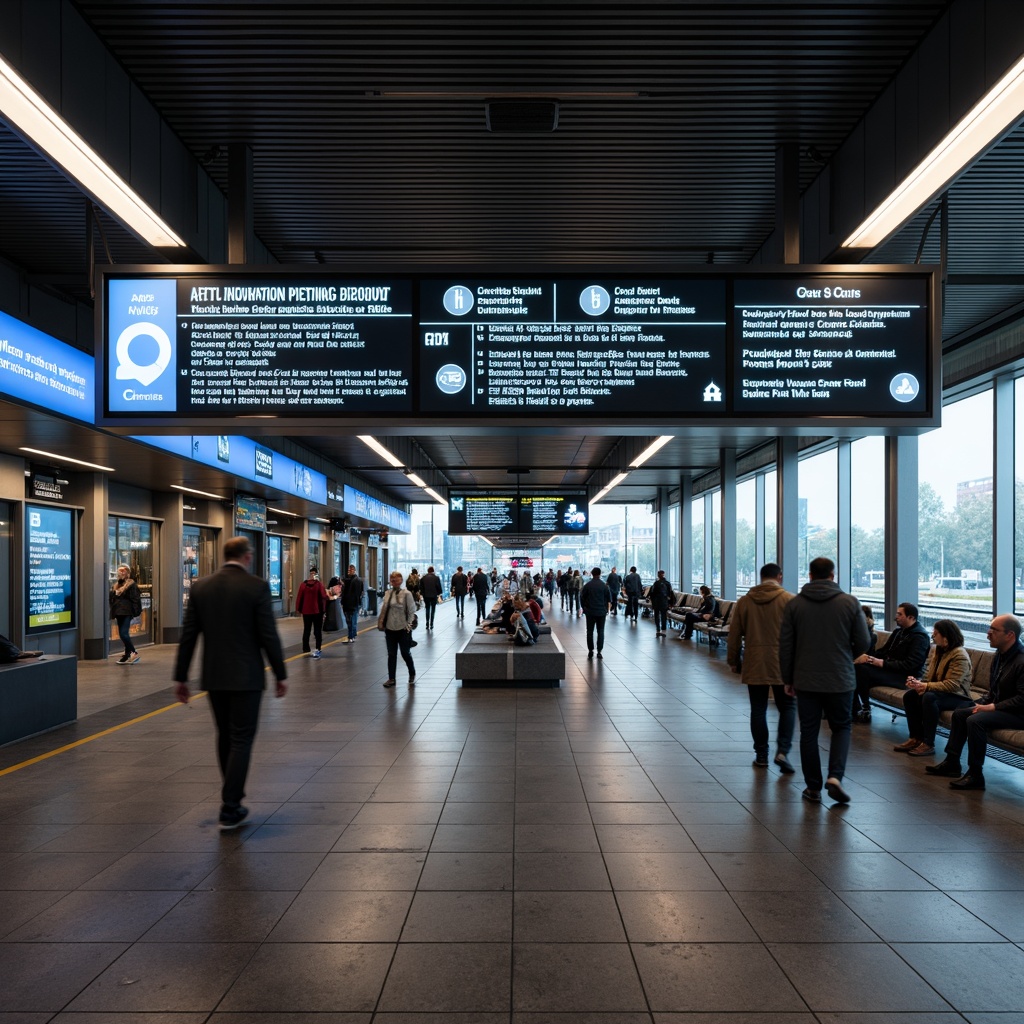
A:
[867,520]
[130,542]
[746,527]
[818,497]
[955,516]
[716,542]
[672,542]
[697,543]
[1018,496]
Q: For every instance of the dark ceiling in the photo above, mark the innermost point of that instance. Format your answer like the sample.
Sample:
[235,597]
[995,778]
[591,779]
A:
[366,123]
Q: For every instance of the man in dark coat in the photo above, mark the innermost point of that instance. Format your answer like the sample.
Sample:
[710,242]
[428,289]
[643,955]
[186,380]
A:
[351,602]
[233,612]
[1001,708]
[595,600]
[481,590]
[662,598]
[459,589]
[902,655]
[615,586]
[634,588]
[430,591]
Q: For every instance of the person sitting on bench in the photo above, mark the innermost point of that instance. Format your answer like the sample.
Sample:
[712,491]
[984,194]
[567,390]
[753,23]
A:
[9,652]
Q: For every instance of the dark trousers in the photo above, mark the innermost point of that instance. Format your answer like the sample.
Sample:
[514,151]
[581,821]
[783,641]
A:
[574,600]
[236,714]
[872,675]
[923,711]
[481,607]
[399,640]
[660,619]
[429,610]
[460,606]
[315,623]
[124,623]
[837,708]
[595,622]
[972,728]
[632,606]
[759,717]
[690,619]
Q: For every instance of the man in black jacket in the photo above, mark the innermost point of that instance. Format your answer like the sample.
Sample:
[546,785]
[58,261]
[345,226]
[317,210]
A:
[459,589]
[351,601]
[902,655]
[430,591]
[1001,708]
[481,590]
[595,600]
[615,586]
[233,612]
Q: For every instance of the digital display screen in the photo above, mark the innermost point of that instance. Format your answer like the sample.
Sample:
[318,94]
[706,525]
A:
[724,346]
[512,515]
[818,345]
[214,346]
[593,345]
[50,565]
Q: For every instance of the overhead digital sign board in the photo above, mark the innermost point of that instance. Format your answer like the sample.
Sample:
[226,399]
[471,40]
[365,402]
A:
[50,569]
[201,345]
[518,514]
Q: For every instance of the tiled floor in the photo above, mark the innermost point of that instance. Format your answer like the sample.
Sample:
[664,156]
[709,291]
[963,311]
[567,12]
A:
[602,853]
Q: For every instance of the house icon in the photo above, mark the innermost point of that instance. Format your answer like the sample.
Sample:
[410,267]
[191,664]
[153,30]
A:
[712,393]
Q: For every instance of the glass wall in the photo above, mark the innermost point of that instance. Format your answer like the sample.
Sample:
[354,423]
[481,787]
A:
[771,517]
[867,521]
[697,549]
[1018,496]
[746,527]
[130,542]
[955,515]
[672,540]
[716,543]
[198,556]
[817,487]
[6,573]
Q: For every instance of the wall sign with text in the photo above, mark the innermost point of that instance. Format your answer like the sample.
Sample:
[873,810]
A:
[50,569]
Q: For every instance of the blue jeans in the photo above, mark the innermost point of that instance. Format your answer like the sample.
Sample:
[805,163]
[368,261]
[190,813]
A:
[759,717]
[837,708]
[124,624]
[352,618]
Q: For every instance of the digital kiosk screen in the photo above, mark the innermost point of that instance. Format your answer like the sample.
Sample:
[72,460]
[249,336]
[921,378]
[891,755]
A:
[50,567]
[513,515]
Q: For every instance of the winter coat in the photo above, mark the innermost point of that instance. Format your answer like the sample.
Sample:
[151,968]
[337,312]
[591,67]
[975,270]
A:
[949,672]
[754,633]
[823,629]
[311,598]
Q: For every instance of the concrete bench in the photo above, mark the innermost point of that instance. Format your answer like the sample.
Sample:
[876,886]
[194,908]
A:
[37,695]
[489,659]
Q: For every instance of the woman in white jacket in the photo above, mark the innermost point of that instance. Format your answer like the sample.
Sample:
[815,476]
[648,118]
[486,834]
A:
[396,615]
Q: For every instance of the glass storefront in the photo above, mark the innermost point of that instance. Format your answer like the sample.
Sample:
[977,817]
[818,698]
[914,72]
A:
[130,542]
[198,556]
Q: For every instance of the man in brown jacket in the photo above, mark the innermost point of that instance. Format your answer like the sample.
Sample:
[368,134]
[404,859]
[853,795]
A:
[753,651]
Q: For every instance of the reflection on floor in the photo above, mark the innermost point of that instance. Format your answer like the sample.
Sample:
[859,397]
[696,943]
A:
[602,852]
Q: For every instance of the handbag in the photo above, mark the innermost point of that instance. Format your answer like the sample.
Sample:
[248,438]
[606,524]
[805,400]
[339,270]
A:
[383,612]
[415,622]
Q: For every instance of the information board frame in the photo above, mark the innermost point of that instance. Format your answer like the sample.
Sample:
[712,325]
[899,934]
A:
[508,516]
[40,520]
[732,411]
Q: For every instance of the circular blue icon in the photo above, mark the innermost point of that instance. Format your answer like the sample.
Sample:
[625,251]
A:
[458,300]
[904,387]
[450,379]
[595,300]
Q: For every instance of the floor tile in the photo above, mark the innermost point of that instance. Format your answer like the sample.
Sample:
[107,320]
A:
[221,916]
[448,978]
[98,917]
[980,977]
[317,916]
[567,917]
[459,917]
[814,916]
[48,975]
[918,917]
[571,977]
[683,917]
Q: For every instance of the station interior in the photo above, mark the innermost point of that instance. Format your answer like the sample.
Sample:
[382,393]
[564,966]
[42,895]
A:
[599,851]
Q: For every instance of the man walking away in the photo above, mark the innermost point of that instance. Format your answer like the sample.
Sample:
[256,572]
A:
[634,588]
[232,611]
[823,630]
[596,599]
[753,652]
[481,590]
[459,589]
[662,597]
[430,591]
[351,602]
[615,586]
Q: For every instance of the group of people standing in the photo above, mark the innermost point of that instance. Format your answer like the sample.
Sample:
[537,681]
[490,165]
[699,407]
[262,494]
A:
[318,605]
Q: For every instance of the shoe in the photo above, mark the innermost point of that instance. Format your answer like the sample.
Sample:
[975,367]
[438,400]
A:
[761,759]
[308,654]
[590,654]
[813,795]
[686,636]
[836,791]
[412,680]
[351,639]
[135,658]
[971,780]
[863,716]
[230,820]
[344,640]
[414,643]
[782,763]
[922,750]
[389,683]
[123,660]
[316,654]
[947,767]
[907,745]
[600,656]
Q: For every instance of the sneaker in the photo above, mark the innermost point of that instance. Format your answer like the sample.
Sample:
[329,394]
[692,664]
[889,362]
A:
[316,654]
[971,780]
[600,656]
[761,759]
[412,681]
[836,791]
[308,654]
[389,683]
[344,640]
[948,768]
[135,657]
[782,763]
[123,660]
[590,654]
[351,639]
[922,750]
[863,716]
[813,795]
[907,745]
[414,643]
[230,820]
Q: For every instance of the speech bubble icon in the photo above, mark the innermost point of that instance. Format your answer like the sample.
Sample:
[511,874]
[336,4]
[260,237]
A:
[129,370]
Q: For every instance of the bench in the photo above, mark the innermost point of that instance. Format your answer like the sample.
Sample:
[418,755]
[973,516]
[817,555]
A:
[489,659]
[891,697]
[716,629]
[37,695]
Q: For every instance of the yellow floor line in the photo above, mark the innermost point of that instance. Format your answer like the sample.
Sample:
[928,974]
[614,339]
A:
[123,725]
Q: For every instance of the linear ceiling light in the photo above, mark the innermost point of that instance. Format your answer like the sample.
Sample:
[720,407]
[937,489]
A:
[205,494]
[384,453]
[604,490]
[26,111]
[67,458]
[416,479]
[437,497]
[284,512]
[650,450]
[999,109]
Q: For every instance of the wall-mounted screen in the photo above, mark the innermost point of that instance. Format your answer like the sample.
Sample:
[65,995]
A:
[250,513]
[50,569]
[200,345]
[514,515]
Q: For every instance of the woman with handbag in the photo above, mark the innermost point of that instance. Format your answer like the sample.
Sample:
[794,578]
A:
[396,620]
[125,605]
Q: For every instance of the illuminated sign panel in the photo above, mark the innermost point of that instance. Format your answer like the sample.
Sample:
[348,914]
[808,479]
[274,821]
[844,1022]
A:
[50,569]
[755,346]
[514,515]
